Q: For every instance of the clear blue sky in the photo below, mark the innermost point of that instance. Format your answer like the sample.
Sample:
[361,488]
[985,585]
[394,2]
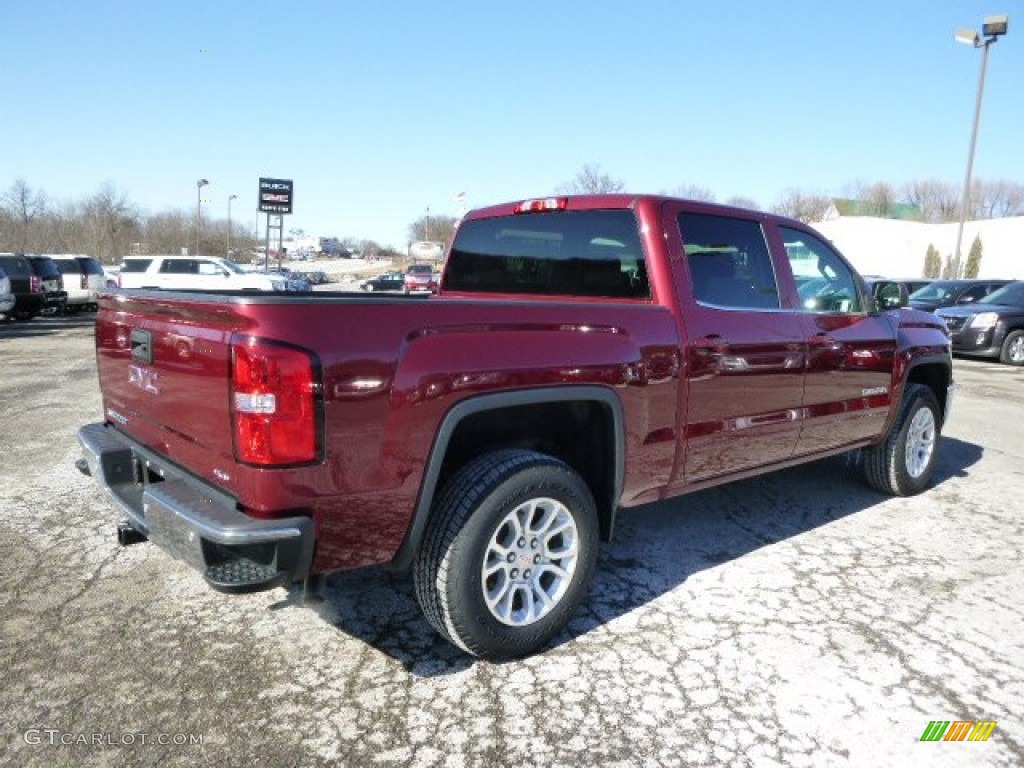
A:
[379,110]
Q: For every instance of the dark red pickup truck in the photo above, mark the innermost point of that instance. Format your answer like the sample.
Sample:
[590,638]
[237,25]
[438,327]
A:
[585,355]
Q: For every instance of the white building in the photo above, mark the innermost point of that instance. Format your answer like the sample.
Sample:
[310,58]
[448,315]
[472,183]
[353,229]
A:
[895,248]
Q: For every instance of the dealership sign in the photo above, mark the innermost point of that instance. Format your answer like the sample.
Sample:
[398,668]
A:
[275,195]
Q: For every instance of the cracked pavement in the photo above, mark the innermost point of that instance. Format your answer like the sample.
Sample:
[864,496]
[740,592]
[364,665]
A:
[798,619]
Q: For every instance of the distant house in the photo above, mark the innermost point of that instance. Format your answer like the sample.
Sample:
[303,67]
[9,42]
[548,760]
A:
[898,211]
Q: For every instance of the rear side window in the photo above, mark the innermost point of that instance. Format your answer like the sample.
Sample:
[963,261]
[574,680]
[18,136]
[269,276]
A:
[67,266]
[46,268]
[136,265]
[179,267]
[729,262]
[16,266]
[91,266]
[565,253]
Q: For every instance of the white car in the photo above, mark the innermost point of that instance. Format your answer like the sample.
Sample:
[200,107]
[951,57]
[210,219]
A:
[193,272]
[6,297]
[84,280]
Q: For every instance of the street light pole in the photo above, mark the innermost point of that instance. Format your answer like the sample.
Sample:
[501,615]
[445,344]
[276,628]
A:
[230,198]
[199,210]
[994,27]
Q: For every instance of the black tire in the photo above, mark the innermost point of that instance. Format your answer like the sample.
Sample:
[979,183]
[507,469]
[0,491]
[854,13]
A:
[467,519]
[890,467]
[1012,352]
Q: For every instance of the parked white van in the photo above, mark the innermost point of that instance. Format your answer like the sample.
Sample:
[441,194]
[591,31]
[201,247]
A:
[193,272]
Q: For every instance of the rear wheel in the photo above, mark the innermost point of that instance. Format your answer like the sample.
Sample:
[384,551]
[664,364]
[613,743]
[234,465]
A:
[368,287]
[1012,352]
[508,555]
[903,463]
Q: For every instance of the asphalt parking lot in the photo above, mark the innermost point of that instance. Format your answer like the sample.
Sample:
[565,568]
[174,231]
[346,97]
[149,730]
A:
[798,619]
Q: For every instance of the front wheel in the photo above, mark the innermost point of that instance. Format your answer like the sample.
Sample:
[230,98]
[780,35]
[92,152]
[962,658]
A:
[1012,352]
[903,463]
[508,554]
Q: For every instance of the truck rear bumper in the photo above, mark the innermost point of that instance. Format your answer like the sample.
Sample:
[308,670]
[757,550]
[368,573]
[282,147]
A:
[194,521]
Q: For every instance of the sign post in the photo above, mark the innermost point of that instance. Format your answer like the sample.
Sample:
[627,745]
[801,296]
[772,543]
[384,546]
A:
[275,200]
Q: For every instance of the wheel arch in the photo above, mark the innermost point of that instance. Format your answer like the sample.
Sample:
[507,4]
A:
[936,373]
[465,432]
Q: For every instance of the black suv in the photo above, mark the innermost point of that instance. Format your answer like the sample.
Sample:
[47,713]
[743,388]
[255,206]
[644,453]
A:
[993,328]
[26,286]
[948,293]
[55,297]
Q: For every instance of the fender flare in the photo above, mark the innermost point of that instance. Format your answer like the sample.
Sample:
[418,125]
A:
[488,402]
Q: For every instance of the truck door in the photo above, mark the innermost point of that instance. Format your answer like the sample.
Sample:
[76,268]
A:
[851,349]
[744,348]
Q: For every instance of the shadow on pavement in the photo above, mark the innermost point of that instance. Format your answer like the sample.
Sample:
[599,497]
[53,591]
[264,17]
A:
[657,547]
[45,325]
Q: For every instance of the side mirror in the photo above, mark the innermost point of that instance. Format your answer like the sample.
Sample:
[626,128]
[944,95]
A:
[890,295]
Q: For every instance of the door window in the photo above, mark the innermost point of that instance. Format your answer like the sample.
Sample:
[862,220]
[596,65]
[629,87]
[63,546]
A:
[824,281]
[729,262]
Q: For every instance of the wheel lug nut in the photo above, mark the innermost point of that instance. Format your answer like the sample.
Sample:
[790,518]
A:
[526,573]
[514,574]
[534,544]
[536,559]
[511,557]
[521,543]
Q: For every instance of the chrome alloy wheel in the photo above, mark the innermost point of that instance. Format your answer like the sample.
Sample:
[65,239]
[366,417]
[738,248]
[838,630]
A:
[1016,350]
[530,562]
[920,442]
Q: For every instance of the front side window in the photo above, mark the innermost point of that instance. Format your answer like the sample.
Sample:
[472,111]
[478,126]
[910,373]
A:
[564,253]
[729,262]
[136,265]
[823,280]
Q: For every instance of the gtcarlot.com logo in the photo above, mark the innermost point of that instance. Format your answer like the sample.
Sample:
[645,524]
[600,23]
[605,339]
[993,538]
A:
[53,737]
[958,730]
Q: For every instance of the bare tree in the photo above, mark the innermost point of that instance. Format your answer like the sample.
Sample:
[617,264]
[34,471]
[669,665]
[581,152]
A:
[111,224]
[23,207]
[938,201]
[739,201]
[693,192]
[438,229]
[590,180]
[807,207]
[996,199]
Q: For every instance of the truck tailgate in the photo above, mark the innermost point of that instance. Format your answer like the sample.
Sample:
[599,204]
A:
[164,369]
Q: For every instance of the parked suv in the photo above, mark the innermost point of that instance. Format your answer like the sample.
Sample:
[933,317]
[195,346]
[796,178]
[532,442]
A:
[26,286]
[194,272]
[84,279]
[55,297]
[6,297]
[948,293]
[992,328]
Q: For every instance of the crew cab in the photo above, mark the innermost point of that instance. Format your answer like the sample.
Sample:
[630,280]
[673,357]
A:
[585,355]
[194,272]
[992,328]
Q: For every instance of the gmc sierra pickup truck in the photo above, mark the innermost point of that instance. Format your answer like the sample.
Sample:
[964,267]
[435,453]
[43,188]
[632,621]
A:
[584,355]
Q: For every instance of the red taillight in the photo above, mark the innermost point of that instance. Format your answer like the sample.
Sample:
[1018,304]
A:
[35,284]
[543,204]
[274,403]
[85,281]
